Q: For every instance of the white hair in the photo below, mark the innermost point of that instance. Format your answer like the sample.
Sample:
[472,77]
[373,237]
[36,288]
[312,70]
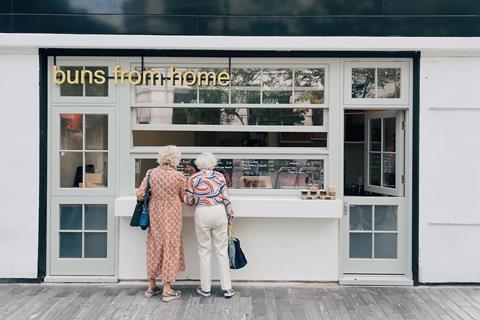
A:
[206,160]
[169,155]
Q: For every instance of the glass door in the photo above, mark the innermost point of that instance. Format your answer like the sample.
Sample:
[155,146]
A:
[82,188]
[384,156]
[375,226]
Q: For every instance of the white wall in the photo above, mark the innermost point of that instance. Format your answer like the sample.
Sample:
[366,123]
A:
[450,169]
[19,164]
[276,249]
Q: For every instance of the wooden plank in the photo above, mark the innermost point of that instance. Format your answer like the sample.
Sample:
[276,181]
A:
[122,303]
[449,306]
[41,302]
[462,302]
[431,306]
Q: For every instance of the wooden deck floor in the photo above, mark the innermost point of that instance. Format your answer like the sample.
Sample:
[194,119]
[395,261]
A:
[253,301]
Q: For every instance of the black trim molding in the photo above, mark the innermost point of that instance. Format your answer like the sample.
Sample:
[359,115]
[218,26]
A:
[42,209]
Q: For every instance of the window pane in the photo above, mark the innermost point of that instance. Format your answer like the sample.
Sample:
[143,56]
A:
[360,217]
[375,134]
[95,245]
[95,217]
[355,127]
[308,97]
[363,83]
[277,174]
[72,75]
[273,97]
[285,116]
[388,85]
[253,173]
[213,95]
[386,218]
[71,164]
[70,245]
[70,216]
[375,168]
[97,90]
[151,94]
[310,78]
[96,132]
[141,168]
[96,169]
[229,139]
[245,96]
[277,78]
[182,95]
[385,245]
[155,91]
[389,129]
[231,116]
[181,92]
[207,78]
[360,245]
[246,77]
[71,131]
[389,175]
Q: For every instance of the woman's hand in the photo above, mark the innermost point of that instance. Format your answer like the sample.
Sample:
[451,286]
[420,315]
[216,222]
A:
[230,216]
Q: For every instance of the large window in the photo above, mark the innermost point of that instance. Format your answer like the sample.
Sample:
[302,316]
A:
[268,108]
[252,173]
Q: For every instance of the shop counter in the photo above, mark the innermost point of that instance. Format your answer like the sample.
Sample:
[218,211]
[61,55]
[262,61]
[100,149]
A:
[259,207]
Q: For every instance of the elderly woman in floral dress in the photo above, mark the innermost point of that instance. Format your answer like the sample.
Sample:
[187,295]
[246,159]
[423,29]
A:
[165,258]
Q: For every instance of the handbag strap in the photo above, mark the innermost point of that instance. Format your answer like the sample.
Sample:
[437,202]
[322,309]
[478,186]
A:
[146,197]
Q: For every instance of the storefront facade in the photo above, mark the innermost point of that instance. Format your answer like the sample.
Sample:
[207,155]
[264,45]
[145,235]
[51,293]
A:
[363,115]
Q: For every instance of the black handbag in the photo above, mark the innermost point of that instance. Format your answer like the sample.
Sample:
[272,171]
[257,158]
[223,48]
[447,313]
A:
[140,217]
[235,252]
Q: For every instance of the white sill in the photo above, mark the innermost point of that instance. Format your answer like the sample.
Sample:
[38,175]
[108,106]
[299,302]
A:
[259,207]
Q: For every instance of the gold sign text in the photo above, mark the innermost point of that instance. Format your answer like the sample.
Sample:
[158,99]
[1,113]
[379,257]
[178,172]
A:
[136,77]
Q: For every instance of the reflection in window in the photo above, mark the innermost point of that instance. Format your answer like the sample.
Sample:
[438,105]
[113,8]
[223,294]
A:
[252,173]
[363,83]
[231,116]
[80,135]
[247,86]
[380,83]
[388,83]
[381,235]
[147,138]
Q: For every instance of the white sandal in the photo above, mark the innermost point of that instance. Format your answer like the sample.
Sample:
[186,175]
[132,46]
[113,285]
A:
[152,292]
[167,297]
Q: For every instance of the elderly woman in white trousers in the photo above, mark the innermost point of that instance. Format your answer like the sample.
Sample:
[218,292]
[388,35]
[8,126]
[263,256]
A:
[207,190]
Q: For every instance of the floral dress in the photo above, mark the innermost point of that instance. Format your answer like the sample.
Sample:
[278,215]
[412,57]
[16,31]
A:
[165,258]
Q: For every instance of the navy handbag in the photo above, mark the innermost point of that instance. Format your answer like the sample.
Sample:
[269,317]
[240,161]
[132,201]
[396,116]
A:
[235,253]
[140,217]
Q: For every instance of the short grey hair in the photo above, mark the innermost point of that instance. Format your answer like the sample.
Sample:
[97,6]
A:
[169,155]
[206,160]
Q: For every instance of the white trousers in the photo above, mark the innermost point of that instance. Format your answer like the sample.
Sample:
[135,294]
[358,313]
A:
[211,225]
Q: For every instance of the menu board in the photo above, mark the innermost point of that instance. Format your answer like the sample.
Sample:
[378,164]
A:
[224,166]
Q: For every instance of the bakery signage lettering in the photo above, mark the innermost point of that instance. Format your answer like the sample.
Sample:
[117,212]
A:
[188,77]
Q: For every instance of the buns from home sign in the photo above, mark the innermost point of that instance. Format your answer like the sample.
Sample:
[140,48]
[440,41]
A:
[147,77]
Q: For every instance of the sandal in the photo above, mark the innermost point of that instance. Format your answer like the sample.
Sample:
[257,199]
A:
[150,292]
[169,296]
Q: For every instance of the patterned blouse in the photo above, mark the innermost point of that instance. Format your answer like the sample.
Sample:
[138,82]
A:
[208,188]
